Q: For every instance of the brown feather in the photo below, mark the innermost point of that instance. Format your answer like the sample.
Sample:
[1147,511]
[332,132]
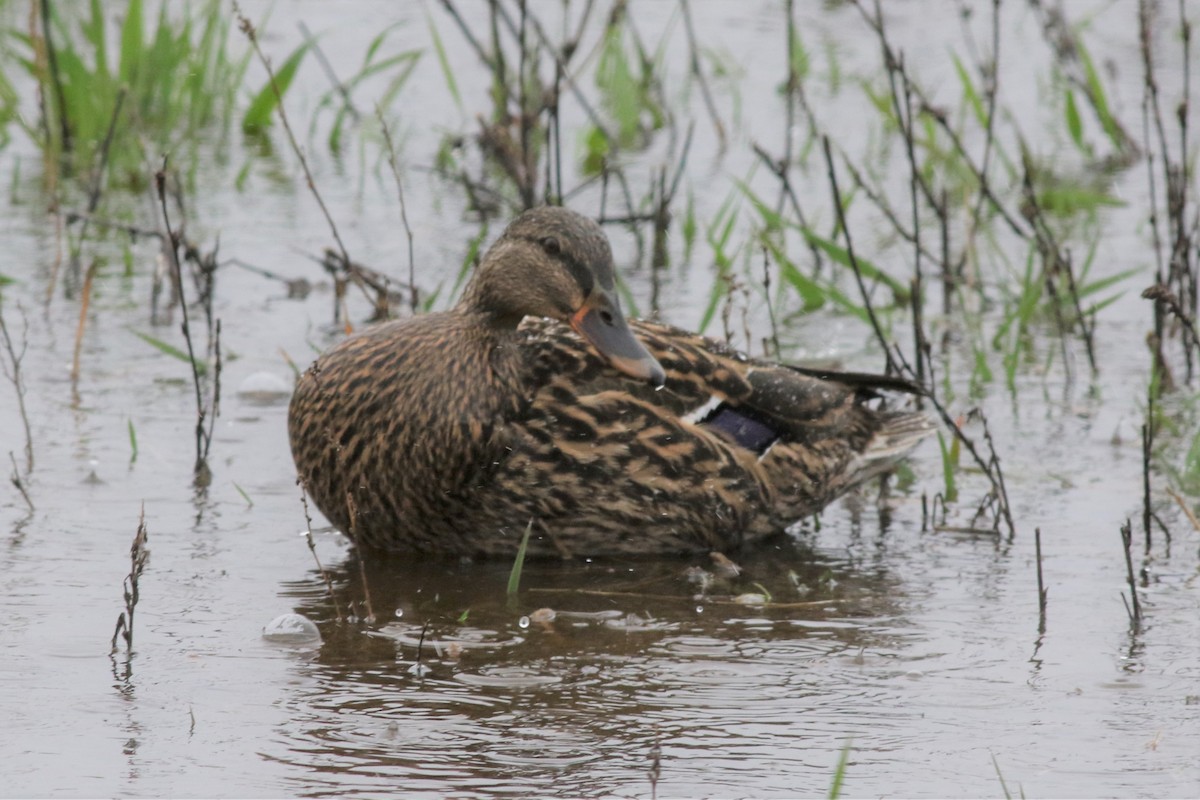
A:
[450,432]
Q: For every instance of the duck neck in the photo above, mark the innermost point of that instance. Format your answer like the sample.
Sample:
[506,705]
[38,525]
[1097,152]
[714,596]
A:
[488,308]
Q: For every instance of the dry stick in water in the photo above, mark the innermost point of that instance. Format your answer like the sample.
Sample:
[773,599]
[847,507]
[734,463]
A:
[138,556]
[17,482]
[1147,444]
[1056,263]
[203,475]
[1135,615]
[893,63]
[1037,543]
[312,548]
[352,512]
[892,367]
[694,56]
[898,365]
[85,301]
[12,370]
[414,299]
[774,350]
[94,194]
[247,28]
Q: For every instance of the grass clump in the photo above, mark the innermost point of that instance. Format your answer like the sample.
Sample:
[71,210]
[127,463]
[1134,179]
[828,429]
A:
[126,89]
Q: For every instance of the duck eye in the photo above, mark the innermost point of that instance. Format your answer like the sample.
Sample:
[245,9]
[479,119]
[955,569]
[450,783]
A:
[550,245]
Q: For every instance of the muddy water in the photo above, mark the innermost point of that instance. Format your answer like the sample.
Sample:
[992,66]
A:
[917,650]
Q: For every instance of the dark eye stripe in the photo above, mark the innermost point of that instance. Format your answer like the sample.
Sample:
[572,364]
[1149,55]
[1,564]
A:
[581,273]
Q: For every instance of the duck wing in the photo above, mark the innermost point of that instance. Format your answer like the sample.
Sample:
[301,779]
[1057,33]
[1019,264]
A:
[730,448]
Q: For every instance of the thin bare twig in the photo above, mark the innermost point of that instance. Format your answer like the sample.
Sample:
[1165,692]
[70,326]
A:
[203,474]
[414,299]
[892,367]
[12,371]
[1135,615]
[17,482]
[312,548]
[694,57]
[248,29]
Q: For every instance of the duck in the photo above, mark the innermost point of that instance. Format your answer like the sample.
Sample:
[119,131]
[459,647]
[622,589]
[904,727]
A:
[533,409]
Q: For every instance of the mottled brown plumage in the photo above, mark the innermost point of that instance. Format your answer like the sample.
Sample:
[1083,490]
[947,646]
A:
[533,399]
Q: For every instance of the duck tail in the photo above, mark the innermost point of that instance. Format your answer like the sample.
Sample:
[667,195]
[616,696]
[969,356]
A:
[896,437]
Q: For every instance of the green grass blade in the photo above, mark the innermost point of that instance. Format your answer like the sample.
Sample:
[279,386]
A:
[258,116]
[868,269]
[93,33]
[514,577]
[1074,123]
[170,350]
[949,464]
[1000,775]
[133,446]
[132,48]
[447,72]
[1099,99]
[246,497]
[970,92]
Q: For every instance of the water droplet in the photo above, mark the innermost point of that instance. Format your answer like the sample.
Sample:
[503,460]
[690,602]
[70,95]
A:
[523,623]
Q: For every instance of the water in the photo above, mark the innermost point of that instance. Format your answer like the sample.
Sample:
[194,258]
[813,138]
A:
[919,650]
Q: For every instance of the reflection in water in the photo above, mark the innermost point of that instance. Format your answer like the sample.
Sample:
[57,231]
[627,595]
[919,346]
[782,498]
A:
[567,688]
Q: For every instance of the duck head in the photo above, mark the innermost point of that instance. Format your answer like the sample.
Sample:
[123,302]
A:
[552,262]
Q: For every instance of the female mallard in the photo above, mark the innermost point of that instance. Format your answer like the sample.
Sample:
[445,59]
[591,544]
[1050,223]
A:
[535,400]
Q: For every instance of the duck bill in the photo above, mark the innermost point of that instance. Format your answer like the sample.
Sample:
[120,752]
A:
[601,322]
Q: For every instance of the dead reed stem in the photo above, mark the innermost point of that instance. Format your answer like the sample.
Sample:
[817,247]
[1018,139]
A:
[893,368]
[85,301]
[202,472]
[12,371]
[1135,613]
[1037,543]
[312,548]
[698,73]
[17,482]
[139,556]
[414,299]
[1147,445]
[248,29]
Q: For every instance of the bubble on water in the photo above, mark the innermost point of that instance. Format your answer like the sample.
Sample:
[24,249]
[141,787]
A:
[292,629]
[399,613]
[523,623]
